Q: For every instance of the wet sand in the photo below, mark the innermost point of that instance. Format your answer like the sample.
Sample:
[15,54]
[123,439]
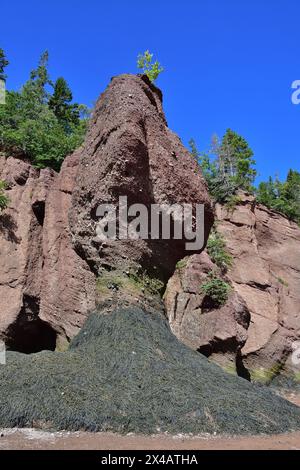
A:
[31,439]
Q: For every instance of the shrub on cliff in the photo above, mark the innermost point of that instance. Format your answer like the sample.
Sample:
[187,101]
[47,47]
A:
[216,289]
[3,198]
[43,127]
[216,248]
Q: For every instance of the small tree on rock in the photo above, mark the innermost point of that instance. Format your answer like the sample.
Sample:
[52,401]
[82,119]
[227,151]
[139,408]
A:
[151,69]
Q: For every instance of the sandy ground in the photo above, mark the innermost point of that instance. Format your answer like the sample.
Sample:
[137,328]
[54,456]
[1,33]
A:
[31,439]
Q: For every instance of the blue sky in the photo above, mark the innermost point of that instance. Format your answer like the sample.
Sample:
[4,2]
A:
[228,63]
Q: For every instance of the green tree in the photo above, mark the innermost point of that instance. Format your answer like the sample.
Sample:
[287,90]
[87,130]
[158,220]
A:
[61,104]
[282,196]
[236,161]
[266,192]
[29,126]
[203,159]
[3,64]
[34,91]
[219,185]
[150,68]
[227,166]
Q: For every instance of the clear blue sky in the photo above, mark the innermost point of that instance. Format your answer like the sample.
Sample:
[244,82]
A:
[228,63]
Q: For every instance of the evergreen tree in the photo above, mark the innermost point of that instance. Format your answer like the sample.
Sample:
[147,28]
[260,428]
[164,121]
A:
[3,64]
[236,160]
[34,92]
[61,103]
[29,126]
[227,167]
[266,193]
[282,196]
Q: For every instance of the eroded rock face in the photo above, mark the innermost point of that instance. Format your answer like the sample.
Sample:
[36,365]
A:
[265,275]
[129,151]
[46,290]
[53,271]
[217,332]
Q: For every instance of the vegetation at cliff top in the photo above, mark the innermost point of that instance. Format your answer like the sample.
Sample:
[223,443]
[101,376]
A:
[283,196]
[149,68]
[229,166]
[40,121]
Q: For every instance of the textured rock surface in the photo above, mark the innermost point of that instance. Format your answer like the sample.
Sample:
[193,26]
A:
[129,151]
[265,247]
[219,333]
[48,253]
[46,290]
[266,273]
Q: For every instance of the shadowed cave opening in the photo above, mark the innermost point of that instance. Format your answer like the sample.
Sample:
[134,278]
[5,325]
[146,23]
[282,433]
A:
[29,334]
[39,211]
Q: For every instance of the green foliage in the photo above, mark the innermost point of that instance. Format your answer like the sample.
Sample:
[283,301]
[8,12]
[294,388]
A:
[131,281]
[203,159]
[227,167]
[3,64]
[4,200]
[236,160]
[61,104]
[151,69]
[232,202]
[216,289]
[283,282]
[42,126]
[181,264]
[216,249]
[283,197]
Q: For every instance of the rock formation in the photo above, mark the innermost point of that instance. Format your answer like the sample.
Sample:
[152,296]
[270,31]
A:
[265,277]
[125,370]
[129,151]
[217,332]
[46,290]
[53,270]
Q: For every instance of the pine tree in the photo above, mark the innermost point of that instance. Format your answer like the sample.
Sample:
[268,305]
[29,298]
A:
[28,126]
[34,92]
[266,193]
[236,160]
[61,103]
[3,64]
[284,196]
